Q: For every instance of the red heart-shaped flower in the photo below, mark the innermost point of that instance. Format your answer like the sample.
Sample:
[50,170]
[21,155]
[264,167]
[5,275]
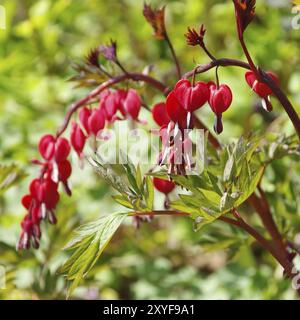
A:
[191,97]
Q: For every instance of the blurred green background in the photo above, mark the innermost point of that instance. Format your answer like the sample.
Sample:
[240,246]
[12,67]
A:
[164,259]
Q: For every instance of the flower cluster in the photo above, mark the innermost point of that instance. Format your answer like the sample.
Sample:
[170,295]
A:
[43,192]
[56,169]
[175,117]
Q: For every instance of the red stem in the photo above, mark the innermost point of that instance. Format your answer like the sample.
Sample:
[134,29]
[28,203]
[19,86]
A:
[173,55]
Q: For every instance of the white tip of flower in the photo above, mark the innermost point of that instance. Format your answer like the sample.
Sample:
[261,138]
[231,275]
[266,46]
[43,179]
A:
[188,119]
[55,172]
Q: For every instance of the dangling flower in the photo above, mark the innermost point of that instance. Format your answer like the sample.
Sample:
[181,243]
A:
[220,99]
[96,121]
[160,115]
[191,97]
[62,149]
[84,115]
[260,88]
[129,103]
[163,186]
[109,102]
[77,139]
[47,146]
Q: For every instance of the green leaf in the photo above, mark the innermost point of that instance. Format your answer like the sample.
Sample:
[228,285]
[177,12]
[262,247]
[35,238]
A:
[89,242]
[229,169]
[107,173]
[133,174]
[139,179]
[248,186]
[149,194]
[122,200]
[10,175]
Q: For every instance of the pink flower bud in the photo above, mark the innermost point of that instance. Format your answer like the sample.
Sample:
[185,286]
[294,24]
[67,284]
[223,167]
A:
[132,104]
[77,138]
[51,195]
[109,104]
[35,190]
[96,121]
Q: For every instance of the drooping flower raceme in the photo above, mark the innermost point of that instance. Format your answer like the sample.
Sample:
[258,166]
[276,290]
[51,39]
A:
[43,195]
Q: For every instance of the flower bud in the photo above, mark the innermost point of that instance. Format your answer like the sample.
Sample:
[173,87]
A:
[132,104]
[77,138]
[84,115]
[35,190]
[109,104]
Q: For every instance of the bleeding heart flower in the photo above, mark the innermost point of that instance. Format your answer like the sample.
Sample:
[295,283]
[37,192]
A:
[77,138]
[51,195]
[260,88]
[47,146]
[191,97]
[130,104]
[96,121]
[160,115]
[26,201]
[35,189]
[64,170]
[84,115]
[220,98]
[109,104]
[175,110]
[62,149]
[163,186]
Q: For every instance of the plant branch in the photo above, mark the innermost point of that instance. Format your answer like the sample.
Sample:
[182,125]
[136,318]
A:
[283,99]
[109,83]
[248,56]
[239,222]
[223,62]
